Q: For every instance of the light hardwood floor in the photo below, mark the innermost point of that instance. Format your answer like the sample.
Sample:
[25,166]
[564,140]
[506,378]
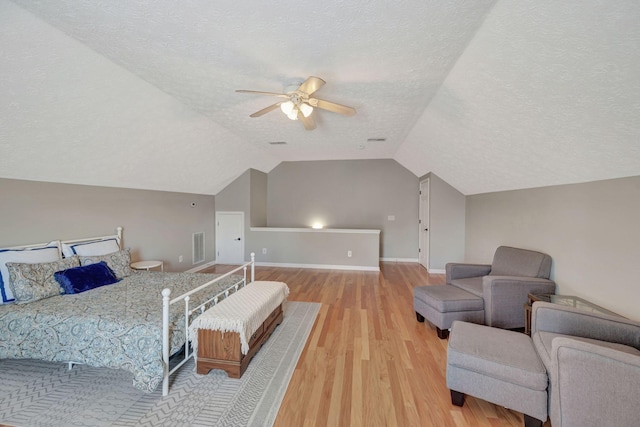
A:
[368,362]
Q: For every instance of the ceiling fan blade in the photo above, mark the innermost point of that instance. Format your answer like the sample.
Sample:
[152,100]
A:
[279,95]
[308,122]
[332,106]
[311,85]
[266,110]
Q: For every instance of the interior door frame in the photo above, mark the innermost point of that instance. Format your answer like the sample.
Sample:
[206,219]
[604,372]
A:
[219,243]
[423,223]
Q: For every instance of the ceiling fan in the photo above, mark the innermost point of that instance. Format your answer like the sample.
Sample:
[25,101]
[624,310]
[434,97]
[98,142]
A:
[298,103]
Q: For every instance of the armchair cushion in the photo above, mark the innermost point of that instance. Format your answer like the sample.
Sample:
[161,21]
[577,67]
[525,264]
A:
[509,261]
[473,285]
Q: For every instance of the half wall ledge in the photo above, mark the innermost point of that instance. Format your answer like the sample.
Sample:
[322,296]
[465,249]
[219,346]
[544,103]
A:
[333,248]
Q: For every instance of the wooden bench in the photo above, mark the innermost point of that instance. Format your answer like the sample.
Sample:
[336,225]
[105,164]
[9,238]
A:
[222,331]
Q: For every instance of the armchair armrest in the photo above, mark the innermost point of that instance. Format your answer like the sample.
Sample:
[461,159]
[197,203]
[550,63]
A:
[565,320]
[456,270]
[505,297]
[593,384]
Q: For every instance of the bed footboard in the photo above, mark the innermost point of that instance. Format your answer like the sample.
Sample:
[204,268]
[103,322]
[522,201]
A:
[167,302]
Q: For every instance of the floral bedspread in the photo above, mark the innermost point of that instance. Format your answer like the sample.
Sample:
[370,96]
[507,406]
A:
[115,326]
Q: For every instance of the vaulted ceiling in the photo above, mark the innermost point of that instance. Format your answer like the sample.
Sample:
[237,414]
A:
[488,95]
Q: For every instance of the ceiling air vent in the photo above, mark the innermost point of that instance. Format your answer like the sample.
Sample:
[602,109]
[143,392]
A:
[376,139]
[278,143]
[198,247]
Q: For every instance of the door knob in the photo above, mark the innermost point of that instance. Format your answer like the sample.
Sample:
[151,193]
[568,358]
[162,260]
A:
[426,229]
[237,239]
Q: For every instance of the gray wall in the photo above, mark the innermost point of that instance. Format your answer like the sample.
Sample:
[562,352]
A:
[258,198]
[236,197]
[446,224]
[348,194]
[157,224]
[319,248]
[591,230]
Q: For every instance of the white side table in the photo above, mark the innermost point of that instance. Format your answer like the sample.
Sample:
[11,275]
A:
[147,265]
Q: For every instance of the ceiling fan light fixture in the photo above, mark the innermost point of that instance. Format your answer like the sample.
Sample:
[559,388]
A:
[299,105]
[306,109]
[287,107]
[290,109]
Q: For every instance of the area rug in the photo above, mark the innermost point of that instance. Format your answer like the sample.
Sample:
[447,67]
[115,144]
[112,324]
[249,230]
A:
[37,393]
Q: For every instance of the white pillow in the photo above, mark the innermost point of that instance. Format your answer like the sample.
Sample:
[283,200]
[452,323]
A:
[94,248]
[26,256]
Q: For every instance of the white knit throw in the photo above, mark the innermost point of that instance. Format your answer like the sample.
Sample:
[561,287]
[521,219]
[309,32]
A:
[242,312]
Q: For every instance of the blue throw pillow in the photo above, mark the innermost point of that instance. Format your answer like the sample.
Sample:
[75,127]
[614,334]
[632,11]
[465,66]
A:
[80,279]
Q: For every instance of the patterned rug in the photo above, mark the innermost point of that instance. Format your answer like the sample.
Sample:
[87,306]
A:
[37,393]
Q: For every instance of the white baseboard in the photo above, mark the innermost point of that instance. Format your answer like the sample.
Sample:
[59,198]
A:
[323,266]
[319,266]
[201,267]
[429,270]
[399,259]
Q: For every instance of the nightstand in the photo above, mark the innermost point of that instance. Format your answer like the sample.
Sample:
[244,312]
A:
[147,265]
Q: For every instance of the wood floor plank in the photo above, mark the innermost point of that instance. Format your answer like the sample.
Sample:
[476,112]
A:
[357,397]
[368,362]
[364,334]
[333,414]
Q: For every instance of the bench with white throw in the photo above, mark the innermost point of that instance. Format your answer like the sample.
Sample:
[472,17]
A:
[228,335]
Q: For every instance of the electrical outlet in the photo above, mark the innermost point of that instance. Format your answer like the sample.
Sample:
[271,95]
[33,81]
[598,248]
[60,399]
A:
[349,254]
[180,258]
[264,251]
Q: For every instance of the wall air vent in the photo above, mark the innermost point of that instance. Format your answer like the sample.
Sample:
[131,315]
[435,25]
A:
[198,247]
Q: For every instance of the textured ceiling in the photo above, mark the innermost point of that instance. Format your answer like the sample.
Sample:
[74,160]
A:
[488,95]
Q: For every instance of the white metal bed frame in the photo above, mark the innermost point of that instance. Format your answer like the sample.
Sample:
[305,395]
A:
[166,305]
[167,302]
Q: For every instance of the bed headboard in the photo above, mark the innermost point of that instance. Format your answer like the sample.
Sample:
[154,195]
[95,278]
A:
[117,236]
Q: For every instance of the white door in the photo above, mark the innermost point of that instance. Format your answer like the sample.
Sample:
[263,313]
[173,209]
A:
[424,223]
[229,237]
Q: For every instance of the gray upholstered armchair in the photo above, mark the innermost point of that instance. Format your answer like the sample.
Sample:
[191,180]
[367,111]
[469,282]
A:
[593,363]
[505,284]
[579,368]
